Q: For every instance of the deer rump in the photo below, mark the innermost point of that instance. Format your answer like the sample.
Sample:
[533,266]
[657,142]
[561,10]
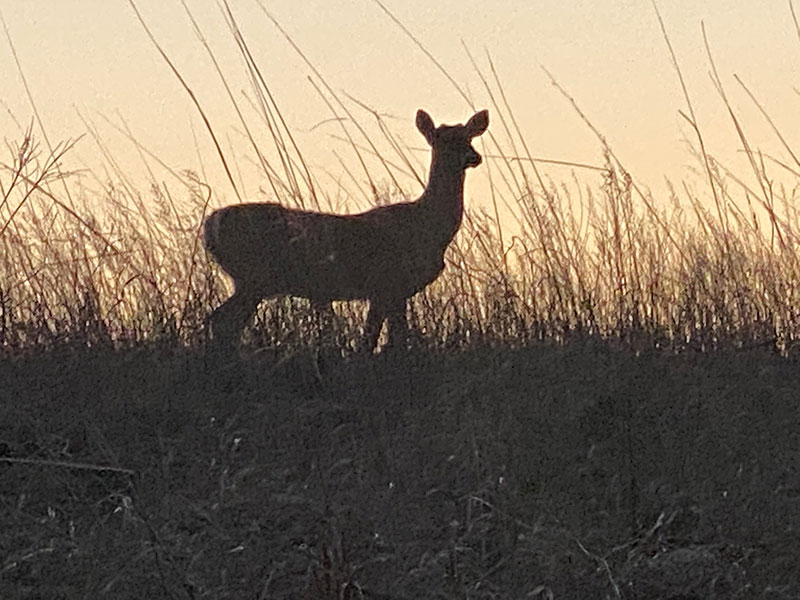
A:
[379,254]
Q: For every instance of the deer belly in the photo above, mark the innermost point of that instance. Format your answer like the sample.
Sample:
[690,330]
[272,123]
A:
[333,276]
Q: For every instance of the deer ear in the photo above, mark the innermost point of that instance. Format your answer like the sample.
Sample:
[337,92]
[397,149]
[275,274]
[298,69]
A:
[478,123]
[426,126]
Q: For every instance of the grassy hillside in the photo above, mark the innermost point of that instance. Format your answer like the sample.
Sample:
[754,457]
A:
[600,401]
[580,470]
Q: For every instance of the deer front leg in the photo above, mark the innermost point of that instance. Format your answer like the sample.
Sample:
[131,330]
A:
[231,317]
[372,329]
[397,323]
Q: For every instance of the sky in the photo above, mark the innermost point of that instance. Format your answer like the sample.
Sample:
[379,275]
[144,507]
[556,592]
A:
[91,61]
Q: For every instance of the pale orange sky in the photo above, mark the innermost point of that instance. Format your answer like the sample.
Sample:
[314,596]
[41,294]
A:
[93,55]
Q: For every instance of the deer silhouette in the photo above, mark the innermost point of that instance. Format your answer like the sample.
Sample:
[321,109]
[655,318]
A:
[384,255]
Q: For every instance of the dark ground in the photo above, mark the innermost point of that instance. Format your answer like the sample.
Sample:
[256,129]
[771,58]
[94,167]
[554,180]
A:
[573,471]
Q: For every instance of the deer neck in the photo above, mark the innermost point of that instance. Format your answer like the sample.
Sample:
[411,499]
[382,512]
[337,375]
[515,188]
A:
[444,199]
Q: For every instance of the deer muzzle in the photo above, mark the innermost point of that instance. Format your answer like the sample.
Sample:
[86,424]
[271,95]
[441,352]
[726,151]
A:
[473,159]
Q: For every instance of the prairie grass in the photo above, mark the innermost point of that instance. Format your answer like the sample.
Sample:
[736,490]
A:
[609,264]
[695,270]
[600,402]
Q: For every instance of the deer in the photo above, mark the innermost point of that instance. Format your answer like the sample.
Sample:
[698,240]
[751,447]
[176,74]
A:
[384,255]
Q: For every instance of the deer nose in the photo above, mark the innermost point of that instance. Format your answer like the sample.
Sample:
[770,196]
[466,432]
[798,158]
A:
[473,159]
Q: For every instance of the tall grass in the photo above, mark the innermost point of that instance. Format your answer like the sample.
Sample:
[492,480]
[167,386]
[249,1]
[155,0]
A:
[569,470]
[694,270]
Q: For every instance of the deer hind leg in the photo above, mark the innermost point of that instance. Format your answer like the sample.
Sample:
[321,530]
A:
[231,317]
[324,320]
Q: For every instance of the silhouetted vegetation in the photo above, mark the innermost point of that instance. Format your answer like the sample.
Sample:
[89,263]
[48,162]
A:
[582,470]
[600,400]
